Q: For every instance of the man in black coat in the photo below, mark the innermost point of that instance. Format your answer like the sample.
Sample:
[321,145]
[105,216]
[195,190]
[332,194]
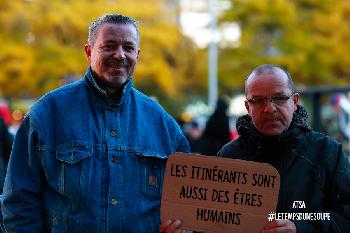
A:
[312,166]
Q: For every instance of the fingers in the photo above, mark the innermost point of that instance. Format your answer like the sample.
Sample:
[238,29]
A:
[164,225]
[280,230]
[280,226]
[275,223]
[185,231]
[170,226]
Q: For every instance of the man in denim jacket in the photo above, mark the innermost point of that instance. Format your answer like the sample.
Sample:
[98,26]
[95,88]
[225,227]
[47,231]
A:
[90,156]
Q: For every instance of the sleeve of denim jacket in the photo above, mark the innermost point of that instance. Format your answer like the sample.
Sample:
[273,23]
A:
[337,203]
[183,145]
[22,196]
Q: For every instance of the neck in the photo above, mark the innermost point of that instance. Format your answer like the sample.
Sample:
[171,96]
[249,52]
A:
[111,91]
[114,92]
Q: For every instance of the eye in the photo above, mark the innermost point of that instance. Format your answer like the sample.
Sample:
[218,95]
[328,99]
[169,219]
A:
[279,99]
[129,48]
[257,100]
[107,47]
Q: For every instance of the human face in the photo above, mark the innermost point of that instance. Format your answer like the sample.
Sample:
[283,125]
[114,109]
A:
[114,54]
[271,119]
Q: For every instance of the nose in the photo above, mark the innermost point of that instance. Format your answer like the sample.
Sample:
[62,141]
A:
[119,53]
[269,106]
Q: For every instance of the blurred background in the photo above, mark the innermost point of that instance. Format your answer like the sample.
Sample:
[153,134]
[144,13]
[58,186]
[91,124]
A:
[193,52]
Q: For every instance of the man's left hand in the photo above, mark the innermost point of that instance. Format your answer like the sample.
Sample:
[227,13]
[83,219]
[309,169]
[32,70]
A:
[280,226]
[172,227]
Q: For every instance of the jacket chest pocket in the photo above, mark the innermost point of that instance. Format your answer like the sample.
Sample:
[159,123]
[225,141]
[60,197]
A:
[73,169]
[66,169]
[152,171]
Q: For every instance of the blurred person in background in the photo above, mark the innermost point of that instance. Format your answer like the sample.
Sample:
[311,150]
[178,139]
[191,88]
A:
[217,130]
[90,156]
[193,135]
[17,117]
[5,112]
[5,150]
[312,166]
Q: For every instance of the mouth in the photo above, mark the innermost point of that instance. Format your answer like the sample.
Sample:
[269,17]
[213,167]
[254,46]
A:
[117,67]
[118,64]
[272,120]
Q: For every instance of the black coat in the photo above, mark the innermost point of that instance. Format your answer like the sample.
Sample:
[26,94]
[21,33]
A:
[312,167]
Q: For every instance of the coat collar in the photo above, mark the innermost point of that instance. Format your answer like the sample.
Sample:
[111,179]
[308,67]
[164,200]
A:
[249,133]
[91,81]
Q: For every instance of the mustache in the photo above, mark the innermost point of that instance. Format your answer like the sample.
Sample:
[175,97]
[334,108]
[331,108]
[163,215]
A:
[123,62]
[272,118]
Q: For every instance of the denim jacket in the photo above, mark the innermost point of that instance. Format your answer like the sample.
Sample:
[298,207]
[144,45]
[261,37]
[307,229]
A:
[82,162]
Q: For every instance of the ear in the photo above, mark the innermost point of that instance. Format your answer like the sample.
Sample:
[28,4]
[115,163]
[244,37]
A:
[246,106]
[295,101]
[138,53]
[87,49]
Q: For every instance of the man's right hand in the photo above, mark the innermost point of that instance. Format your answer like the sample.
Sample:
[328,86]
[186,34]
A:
[280,226]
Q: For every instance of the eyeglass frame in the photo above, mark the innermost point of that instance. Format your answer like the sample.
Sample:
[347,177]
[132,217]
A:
[271,99]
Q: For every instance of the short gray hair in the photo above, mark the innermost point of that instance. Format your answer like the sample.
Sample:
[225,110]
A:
[112,19]
[270,69]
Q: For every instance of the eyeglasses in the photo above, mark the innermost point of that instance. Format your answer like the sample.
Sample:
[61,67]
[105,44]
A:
[277,100]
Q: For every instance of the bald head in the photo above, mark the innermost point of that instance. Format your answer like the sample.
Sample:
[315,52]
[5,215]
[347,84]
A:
[270,69]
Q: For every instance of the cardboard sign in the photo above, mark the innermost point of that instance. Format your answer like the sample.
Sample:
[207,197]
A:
[219,195]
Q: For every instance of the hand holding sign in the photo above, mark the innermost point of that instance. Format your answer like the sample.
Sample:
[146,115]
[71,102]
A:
[219,195]
[174,226]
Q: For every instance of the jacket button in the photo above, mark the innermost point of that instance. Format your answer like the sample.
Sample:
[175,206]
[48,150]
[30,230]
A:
[114,160]
[114,133]
[71,153]
[111,108]
[114,201]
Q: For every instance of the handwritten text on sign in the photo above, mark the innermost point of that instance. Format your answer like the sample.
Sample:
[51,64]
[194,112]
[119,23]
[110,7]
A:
[219,195]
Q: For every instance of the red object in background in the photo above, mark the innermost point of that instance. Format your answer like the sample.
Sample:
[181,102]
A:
[5,113]
[233,135]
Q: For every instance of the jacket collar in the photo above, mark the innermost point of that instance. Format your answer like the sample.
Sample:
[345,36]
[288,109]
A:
[90,79]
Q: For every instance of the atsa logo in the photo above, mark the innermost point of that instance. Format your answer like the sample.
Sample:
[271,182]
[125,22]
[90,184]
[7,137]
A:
[299,205]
